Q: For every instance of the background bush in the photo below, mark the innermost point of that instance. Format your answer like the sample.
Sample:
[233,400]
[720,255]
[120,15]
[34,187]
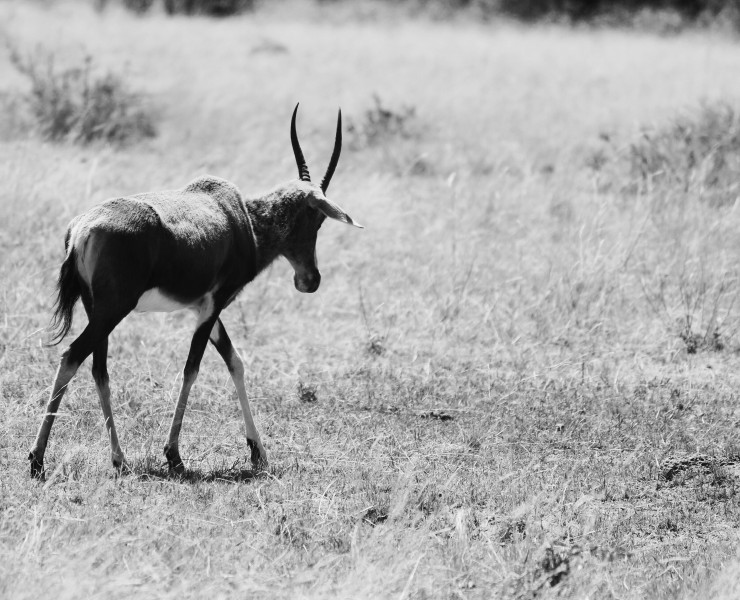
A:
[698,153]
[76,103]
[579,10]
[662,15]
[188,7]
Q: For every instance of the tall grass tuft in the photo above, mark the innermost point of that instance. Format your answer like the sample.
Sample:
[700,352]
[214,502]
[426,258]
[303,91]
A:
[697,153]
[380,123]
[77,104]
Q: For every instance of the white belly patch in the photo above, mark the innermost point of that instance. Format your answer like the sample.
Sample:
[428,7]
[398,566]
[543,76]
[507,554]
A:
[155,301]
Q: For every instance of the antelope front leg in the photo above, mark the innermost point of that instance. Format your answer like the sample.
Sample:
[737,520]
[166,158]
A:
[190,373]
[220,339]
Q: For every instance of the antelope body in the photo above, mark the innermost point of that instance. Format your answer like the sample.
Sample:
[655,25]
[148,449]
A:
[193,248]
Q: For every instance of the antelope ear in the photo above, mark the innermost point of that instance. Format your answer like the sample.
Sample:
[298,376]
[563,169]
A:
[333,211]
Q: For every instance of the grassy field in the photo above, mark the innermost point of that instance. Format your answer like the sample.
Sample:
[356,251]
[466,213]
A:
[478,400]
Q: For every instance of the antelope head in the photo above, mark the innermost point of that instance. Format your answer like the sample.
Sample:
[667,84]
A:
[310,207]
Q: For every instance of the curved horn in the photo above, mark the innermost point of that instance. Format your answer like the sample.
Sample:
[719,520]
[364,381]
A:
[334,155]
[300,161]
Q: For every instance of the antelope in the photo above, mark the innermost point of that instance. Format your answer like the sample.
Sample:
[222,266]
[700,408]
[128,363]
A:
[193,248]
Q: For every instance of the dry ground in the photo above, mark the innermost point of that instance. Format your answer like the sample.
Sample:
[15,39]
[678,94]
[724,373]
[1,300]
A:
[477,401]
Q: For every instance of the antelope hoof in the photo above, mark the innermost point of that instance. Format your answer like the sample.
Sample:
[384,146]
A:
[258,455]
[173,459]
[37,466]
[120,464]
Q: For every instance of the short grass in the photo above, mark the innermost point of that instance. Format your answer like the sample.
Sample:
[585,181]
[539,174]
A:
[476,403]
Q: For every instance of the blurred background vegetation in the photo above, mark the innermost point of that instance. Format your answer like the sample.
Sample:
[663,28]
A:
[665,15]
[491,392]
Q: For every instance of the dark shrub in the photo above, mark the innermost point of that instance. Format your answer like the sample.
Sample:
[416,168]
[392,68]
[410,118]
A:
[209,7]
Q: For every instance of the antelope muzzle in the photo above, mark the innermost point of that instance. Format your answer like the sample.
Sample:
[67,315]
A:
[307,282]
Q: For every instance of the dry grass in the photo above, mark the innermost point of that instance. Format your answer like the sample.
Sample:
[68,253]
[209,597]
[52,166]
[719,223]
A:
[476,402]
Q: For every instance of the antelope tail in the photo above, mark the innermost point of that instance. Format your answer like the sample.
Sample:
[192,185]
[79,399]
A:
[68,292]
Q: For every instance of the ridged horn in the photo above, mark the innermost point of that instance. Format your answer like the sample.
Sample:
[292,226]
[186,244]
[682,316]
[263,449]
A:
[300,161]
[334,155]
